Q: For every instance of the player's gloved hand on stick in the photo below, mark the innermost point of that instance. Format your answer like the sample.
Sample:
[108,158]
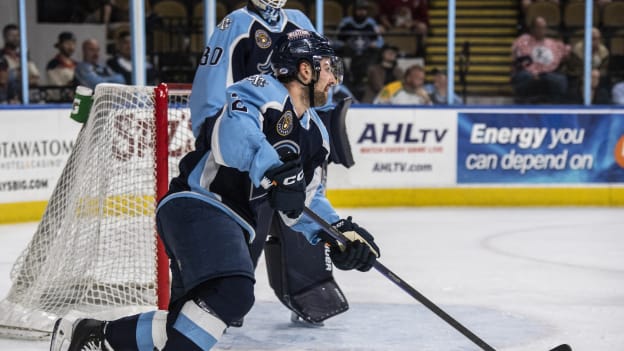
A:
[360,252]
[287,193]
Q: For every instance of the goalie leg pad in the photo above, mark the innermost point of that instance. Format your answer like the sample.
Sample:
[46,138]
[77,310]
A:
[301,276]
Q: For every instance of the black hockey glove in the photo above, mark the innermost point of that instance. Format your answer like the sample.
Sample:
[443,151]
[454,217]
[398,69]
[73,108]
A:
[287,193]
[359,253]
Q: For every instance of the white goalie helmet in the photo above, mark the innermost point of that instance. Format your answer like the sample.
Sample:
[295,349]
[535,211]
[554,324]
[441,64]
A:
[263,4]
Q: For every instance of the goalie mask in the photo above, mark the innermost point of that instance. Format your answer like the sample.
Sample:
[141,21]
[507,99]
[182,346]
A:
[269,9]
[263,4]
[302,45]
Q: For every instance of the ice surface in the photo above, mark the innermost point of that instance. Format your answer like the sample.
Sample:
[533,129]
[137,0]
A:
[522,279]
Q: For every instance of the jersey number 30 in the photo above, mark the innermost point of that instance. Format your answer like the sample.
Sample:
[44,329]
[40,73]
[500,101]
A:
[211,57]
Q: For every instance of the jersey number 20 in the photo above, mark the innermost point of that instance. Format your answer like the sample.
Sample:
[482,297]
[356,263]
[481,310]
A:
[211,56]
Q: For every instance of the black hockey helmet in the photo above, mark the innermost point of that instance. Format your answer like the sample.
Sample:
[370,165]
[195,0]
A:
[303,45]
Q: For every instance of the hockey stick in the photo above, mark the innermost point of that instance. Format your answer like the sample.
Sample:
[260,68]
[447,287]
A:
[336,234]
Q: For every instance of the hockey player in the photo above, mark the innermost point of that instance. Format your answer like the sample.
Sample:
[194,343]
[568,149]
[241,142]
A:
[241,46]
[267,145]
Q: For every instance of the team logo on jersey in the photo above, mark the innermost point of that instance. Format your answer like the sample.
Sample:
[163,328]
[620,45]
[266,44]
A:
[285,124]
[263,40]
[225,23]
[265,67]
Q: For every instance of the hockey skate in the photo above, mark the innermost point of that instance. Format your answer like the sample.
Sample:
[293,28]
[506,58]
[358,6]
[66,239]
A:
[81,335]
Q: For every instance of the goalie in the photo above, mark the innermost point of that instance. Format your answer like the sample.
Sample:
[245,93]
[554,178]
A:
[268,143]
[241,46]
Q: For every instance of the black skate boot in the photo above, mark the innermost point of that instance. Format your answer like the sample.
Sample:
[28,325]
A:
[81,335]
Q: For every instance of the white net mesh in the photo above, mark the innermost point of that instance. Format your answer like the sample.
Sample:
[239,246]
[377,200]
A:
[94,251]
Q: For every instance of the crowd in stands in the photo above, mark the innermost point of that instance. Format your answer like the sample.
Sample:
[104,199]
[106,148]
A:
[62,70]
[547,59]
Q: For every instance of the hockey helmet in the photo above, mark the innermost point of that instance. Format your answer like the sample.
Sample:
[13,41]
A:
[303,45]
[263,4]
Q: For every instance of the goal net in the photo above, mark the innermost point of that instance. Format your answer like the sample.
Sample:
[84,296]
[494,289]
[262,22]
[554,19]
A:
[95,250]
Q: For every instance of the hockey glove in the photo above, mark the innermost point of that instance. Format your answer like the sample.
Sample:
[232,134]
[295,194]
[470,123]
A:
[287,193]
[360,252]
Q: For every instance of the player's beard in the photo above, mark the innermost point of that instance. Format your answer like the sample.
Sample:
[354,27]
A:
[320,98]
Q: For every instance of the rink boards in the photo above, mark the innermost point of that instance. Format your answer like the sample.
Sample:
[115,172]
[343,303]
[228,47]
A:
[404,156]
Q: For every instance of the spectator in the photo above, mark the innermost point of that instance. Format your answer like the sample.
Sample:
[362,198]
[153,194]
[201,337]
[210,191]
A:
[89,72]
[410,91]
[358,39]
[122,61]
[599,94]
[617,93]
[382,73]
[11,53]
[537,59]
[438,89]
[576,62]
[61,69]
[8,89]
[404,14]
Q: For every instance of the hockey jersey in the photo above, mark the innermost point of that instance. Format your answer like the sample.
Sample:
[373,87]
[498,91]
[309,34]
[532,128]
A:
[257,126]
[240,46]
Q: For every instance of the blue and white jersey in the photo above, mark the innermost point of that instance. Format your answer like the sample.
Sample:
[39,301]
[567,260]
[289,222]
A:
[240,46]
[234,150]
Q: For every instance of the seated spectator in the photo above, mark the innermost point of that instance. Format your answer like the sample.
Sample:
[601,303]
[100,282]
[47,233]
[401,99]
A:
[61,69]
[438,89]
[617,93]
[404,14]
[537,59]
[575,66]
[409,91]
[599,92]
[11,53]
[382,73]
[122,61]
[358,39]
[89,72]
[8,88]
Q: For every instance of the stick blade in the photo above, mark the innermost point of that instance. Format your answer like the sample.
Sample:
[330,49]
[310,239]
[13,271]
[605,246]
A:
[562,347]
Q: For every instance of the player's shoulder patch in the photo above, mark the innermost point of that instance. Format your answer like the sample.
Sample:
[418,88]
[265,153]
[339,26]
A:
[236,18]
[225,23]
[258,80]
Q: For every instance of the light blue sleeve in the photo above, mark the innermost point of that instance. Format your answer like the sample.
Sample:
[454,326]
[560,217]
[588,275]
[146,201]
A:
[300,19]
[215,72]
[239,141]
